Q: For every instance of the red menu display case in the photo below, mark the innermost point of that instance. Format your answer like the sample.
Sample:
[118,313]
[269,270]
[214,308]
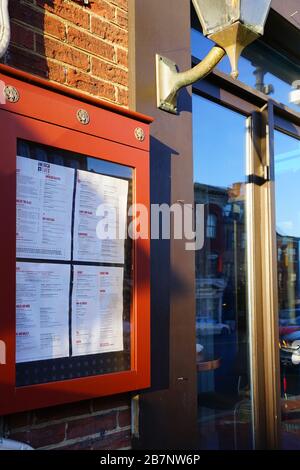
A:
[55,127]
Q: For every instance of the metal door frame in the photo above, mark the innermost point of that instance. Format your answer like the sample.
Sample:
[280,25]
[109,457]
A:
[263,117]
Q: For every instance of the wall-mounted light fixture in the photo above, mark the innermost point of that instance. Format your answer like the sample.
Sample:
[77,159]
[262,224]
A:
[4,27]
[295,93]
[232,25]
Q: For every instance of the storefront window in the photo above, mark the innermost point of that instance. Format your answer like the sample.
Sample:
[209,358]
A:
[224,382]
[260,67]
[287,174]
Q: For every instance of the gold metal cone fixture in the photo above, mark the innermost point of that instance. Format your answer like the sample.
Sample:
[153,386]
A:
[233,40]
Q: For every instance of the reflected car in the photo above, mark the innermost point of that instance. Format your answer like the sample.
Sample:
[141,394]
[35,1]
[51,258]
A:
[289,317]
[290,331]
[211,327]
[289,344]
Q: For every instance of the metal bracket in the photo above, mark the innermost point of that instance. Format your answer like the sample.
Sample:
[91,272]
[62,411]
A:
[166,71]
[169,81]
[257,180]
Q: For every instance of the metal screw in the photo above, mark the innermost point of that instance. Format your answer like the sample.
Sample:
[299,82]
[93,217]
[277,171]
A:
[83,116]
[11,94]
[139,134]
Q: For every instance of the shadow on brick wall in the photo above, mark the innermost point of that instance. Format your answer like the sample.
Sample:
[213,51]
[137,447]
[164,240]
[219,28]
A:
[65,41]
[27,49]
[39,42]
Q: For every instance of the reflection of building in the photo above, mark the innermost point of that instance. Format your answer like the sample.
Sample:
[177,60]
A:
[209,298]
[288,253]
[220,265]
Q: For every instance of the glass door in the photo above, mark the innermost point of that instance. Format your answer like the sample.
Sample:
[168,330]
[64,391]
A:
[287,204]
[223,324]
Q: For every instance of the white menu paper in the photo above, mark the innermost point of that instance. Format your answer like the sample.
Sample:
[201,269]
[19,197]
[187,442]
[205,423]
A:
[97,310]
[101,201]
[42,311]
[44,210]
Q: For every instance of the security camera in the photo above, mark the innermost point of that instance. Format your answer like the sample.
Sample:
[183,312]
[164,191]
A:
[294,96]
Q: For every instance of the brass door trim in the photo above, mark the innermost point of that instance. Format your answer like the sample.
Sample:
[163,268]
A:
[254,277]
[265,220]
[270,317]
[254,281]
[262,280]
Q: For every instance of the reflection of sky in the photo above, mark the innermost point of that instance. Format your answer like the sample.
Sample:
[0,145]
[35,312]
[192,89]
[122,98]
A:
[108,168]
[219,159]
[287,173]
[201,46]
[219,144]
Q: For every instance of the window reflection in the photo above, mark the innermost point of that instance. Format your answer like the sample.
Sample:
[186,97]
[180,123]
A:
[224,396]
[287,174]
[211,226]
[260,67]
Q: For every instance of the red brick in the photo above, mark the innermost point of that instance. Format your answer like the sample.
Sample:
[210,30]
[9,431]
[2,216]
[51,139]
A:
[26,14]
[18,420]
[93,425]
[107,403]
[35,64]
[88,84]
[21,36]
[122,18]
[109,72]
[109,32]
[41,437]
[27,61]
[124,418]
[120,3]
[122,97]
[56,72]
[62,412]
[114,441]
[122,57]
[61,52]
[103,9]
[89,43]
[76,14]
[54,27]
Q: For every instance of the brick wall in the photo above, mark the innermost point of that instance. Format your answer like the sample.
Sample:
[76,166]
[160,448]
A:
[99,424]
[81,47]
[84,48]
